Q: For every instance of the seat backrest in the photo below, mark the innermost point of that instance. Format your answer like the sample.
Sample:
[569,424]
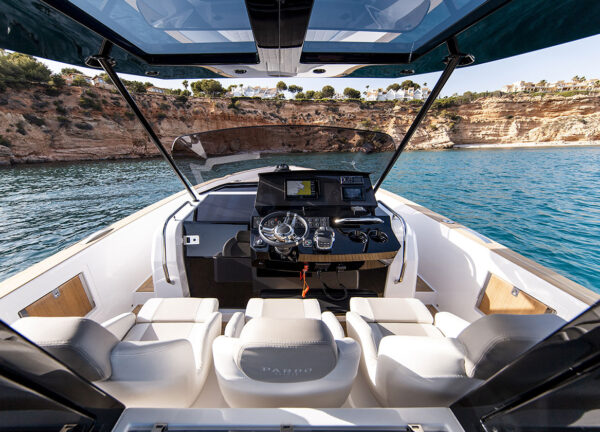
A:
[284,351]
[494,341]
[283,308]
[391,309]
[80,343]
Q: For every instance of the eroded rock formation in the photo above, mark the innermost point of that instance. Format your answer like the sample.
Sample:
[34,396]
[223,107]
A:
[94,124]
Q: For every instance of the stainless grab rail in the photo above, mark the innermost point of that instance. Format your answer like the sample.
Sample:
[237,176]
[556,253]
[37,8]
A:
[164,243]
[404,228]
[358,220]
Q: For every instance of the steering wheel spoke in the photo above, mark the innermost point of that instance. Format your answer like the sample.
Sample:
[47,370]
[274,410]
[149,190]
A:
[283,234]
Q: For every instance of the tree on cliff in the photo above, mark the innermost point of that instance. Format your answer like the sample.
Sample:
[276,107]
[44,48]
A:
[310,94]
[70,70]
[134,86]
[57,81]
[80,81]
[394,87]
[19,68]
[281,86]
[185,84]
[208,87]
[327,92]
[295,89]
[300,95]
[351,93]
[407,84]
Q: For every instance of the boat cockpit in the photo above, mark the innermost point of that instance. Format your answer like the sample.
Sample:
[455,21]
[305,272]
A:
[275,281]
[292,232]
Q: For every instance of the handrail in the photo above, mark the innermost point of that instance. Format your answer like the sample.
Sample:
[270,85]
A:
[397,215]
[164,243]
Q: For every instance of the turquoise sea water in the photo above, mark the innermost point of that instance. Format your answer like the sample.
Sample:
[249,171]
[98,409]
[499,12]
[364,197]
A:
[543,203]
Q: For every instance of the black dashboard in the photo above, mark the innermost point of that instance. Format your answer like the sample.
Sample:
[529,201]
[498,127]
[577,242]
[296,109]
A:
[334,191]
[325,219]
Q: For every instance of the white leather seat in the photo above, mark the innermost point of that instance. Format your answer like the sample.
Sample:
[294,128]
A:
[142,364]
[427,363]
[287,354]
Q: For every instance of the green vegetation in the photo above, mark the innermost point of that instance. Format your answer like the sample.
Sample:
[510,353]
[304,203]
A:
[234,104]
[5,142]
[136,86]
[294,89]
[281,86]
[57,81]
[63,121]
[84,126]
[89,100]
[69,71]
[17,69]
[572,93]
[310,94]
[21,128]
[80,81]
[207,87]
[60,109]
[351,93]
[406,84]
[327,92]
[300,95]
[34,120]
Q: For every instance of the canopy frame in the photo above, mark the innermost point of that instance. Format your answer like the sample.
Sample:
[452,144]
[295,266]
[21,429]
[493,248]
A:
[453,60]
[104,61]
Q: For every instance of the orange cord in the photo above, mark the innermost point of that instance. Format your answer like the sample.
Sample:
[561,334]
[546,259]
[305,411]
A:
[305,286]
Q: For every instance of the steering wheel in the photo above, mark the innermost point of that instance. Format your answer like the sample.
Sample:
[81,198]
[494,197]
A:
[279,229]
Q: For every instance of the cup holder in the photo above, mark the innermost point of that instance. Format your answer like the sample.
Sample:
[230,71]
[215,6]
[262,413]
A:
[378,236]
[358,237]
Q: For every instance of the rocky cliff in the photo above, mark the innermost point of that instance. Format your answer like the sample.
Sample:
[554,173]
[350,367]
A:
[40,125]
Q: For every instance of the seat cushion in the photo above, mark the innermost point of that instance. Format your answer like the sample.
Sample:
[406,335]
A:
[389,309]
[285,351]
[177,309]
[283,308]
[384,329]
[494,341]
[417,371]
[80,343]
[195,333]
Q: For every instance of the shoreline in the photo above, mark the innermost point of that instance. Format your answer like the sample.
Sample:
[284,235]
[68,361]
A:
[592,143]
[529,145]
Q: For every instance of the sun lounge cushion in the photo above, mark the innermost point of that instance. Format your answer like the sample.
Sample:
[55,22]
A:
[283,308]
[391,310]
[179,309]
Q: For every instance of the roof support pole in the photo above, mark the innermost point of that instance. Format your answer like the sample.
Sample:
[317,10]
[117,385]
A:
[454,59]
[103,60]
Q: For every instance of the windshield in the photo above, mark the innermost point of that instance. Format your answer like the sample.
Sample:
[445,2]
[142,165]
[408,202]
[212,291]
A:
[206,155]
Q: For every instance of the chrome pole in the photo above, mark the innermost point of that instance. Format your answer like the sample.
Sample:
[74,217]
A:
[106,63]
[454,59]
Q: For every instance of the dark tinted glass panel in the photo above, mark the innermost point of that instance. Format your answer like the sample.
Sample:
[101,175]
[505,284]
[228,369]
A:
[177,26]
[554,385]
[27,371]
[383,26]
[22,409]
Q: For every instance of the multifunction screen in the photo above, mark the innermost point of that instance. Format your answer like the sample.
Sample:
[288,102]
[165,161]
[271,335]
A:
[301,188]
